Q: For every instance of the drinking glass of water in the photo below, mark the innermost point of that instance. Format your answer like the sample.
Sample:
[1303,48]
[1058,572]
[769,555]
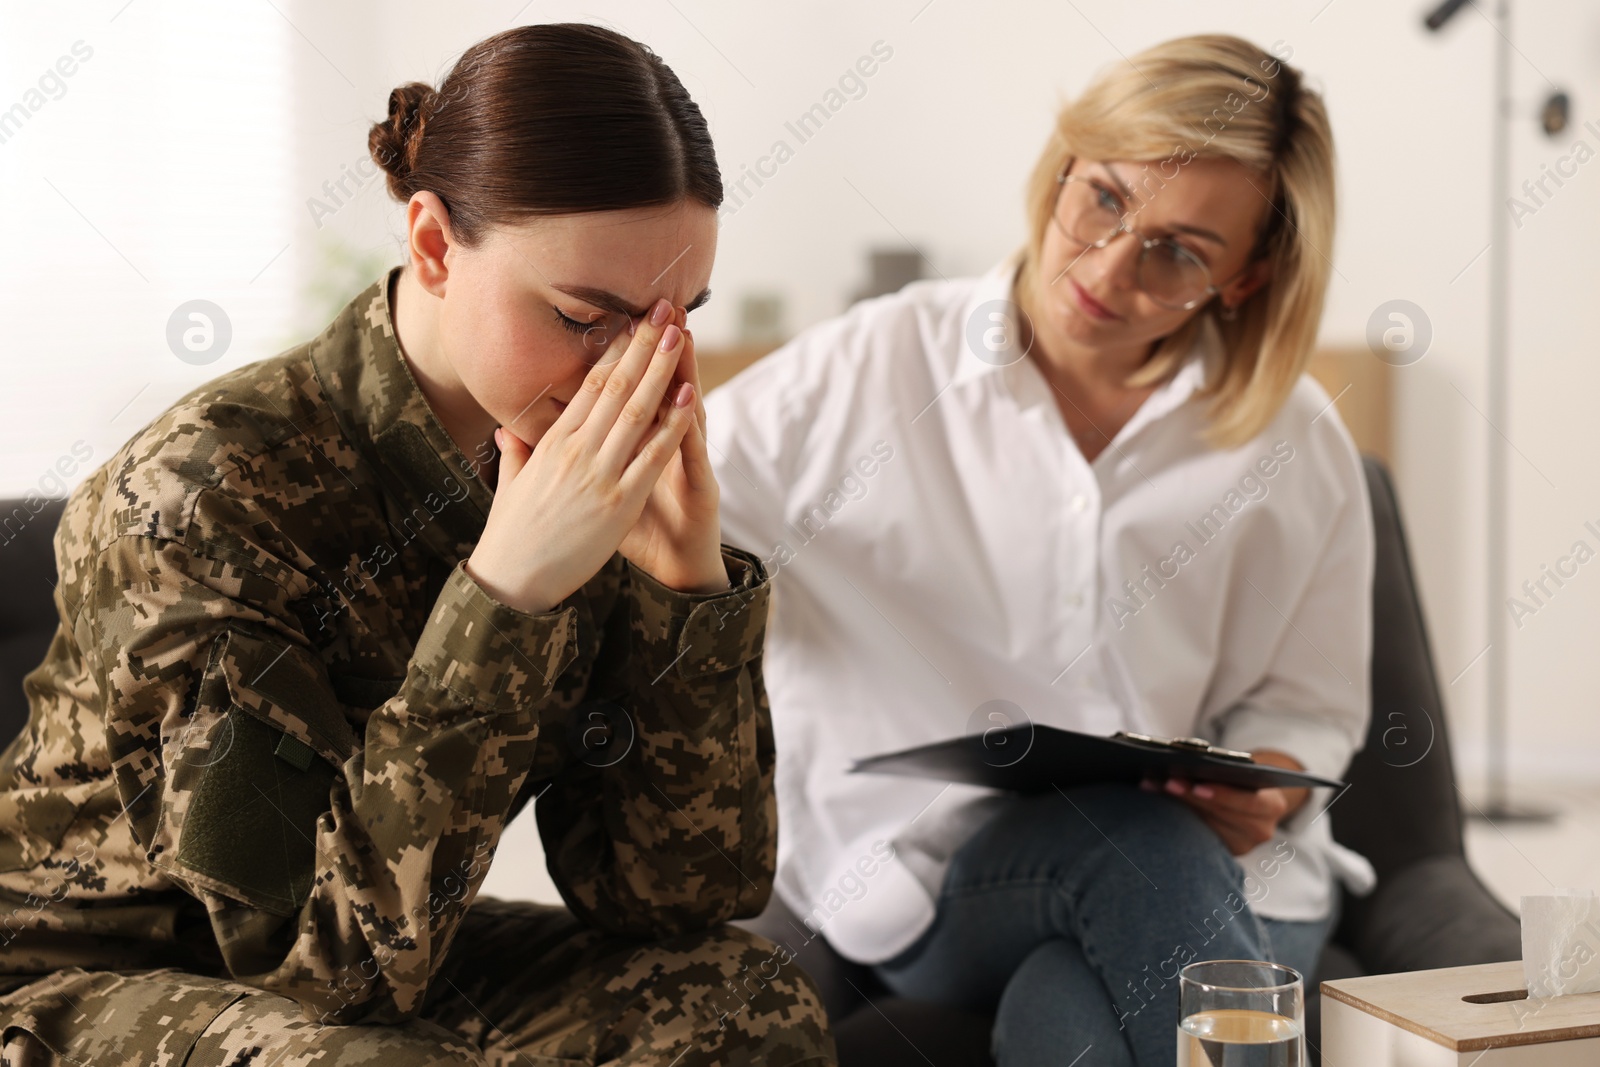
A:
[1241,1013]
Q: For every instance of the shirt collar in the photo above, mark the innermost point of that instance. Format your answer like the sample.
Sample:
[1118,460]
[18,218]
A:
[443,499]
[989,338]
[989,342]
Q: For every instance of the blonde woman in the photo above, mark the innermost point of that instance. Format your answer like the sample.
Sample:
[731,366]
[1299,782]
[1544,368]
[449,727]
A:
[1091,488]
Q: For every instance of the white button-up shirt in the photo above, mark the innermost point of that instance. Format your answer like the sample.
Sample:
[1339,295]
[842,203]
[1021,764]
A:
[946,560]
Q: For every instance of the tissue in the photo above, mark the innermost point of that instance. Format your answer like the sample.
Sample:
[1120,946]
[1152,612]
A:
[1561,943]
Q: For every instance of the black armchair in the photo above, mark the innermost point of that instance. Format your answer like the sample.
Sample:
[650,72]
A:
[1401,811]
[28,613]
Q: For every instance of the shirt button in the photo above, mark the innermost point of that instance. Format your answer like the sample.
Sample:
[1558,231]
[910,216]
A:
[1076,600]
[1079,502]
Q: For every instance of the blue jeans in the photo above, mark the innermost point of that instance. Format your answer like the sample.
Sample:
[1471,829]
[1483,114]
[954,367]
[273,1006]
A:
[1068,915]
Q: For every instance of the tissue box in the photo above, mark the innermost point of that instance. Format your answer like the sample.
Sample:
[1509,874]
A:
[1560,932]
[1454,1017]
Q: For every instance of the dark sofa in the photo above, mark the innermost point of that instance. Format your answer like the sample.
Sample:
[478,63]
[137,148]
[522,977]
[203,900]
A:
[1401,811]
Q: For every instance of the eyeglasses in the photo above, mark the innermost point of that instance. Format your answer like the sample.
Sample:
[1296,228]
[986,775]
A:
[1089,214]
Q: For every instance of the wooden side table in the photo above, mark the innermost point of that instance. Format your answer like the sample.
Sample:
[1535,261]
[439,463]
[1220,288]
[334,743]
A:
[1453,1017]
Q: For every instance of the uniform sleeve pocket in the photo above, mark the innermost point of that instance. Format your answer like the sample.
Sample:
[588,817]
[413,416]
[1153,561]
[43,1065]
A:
[251,775]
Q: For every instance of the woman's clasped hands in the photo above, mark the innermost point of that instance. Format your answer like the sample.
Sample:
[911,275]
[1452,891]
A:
[623,468]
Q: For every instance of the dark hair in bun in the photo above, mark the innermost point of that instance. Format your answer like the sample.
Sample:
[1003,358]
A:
[394,143]
[547,120]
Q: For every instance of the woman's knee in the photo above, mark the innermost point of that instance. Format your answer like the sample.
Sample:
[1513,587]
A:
[275,1030]
[1119,829]
[766,1008]
[1155,830]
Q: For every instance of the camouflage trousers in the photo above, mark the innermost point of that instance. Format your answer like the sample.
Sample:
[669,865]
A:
[522,984]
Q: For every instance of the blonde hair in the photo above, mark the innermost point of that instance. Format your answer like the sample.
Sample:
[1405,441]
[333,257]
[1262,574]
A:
[1217,96]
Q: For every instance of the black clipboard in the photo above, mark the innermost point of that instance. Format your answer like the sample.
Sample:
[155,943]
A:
[1029,758]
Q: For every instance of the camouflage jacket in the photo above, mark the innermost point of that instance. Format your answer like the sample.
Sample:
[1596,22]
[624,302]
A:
[279,729]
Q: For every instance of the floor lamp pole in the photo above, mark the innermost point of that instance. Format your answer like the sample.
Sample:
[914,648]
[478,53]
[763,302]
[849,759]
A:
[1498,804]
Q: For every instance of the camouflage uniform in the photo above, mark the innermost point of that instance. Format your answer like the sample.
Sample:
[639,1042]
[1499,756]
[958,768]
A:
[279,731]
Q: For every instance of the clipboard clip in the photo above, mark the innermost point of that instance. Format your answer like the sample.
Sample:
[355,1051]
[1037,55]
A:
[1188,744]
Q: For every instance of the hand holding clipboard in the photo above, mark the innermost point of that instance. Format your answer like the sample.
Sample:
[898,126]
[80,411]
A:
[1027,758]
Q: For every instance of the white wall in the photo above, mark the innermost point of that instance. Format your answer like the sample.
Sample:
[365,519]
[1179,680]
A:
[148,176]
[195,161]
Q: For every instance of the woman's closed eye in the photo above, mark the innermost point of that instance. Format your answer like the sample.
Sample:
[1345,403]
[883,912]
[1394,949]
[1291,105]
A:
[575,325]
[597,332]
